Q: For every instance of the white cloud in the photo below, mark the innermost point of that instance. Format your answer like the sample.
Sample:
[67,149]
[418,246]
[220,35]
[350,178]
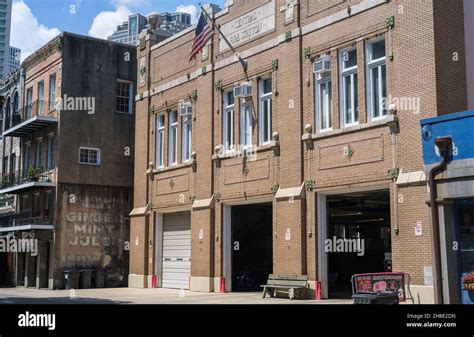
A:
[190,9]
[131,3]
[26,32]
[105,23]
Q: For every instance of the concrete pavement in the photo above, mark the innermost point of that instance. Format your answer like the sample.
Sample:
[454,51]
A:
[140,296]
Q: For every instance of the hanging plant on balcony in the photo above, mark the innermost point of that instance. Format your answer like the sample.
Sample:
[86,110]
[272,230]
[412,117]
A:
[34,172]
[5,180]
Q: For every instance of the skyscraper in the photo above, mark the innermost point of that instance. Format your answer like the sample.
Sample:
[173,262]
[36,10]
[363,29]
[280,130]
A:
[5,23]
[14,57]
[128,31]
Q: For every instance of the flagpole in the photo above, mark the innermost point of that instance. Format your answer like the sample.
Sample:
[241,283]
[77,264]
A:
[241,60]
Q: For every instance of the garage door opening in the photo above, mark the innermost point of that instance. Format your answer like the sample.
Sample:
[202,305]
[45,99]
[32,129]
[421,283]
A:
[359,238]
[252,250]
[176,268]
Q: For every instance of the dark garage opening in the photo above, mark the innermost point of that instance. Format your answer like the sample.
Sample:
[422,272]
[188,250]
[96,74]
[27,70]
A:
[364,216]
[252,250]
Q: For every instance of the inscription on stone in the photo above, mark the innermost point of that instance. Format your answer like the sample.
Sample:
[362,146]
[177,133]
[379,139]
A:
[249,26]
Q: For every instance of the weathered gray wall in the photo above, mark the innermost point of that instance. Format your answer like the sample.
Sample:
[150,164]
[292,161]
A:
[91,68]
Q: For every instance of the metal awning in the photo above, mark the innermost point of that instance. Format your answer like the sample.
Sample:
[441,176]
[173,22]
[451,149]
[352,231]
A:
[21,188]
[30,126]
[26,228]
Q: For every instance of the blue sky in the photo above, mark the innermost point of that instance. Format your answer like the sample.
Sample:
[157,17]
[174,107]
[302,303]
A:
[35,22]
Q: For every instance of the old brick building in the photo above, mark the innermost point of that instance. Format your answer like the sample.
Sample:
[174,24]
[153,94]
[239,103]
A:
[74,124]
[241,173]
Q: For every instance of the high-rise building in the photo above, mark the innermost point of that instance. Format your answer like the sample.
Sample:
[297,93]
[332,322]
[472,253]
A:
[5,22]
[128,31]
[14,57]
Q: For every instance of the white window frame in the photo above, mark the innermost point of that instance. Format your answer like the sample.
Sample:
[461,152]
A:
[228,122]
[350,72]
[40,97]
[173,138]
[246,125]
[160,140]
[130,97]
[372,64]
[52,92]
[99,156]
[186,138]
[265,98]
[320,81]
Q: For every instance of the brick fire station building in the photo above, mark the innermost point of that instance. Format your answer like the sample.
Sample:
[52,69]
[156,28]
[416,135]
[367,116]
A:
[240,173]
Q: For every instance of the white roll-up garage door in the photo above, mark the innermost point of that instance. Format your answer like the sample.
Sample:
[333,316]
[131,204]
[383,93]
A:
[176,250]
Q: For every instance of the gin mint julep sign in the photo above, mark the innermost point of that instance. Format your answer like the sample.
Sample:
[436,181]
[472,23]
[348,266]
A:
[249,26]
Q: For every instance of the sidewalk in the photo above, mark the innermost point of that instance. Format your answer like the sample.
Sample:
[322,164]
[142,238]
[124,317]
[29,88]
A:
[141,296]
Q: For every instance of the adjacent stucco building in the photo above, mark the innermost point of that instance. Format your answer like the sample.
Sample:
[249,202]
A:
[74,124]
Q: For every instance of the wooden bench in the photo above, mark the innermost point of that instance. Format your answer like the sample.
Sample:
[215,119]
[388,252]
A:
[292,285]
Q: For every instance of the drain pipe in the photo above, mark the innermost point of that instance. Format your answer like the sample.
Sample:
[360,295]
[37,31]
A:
[443,144]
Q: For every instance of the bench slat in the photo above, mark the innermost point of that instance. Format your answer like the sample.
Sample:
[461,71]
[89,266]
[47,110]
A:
[287,282]
[288,277]
[282,287]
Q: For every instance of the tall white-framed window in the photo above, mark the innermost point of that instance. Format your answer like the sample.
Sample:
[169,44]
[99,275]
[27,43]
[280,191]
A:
[173,138]
[187,137]
[50,155]
[246,125]
[40,97]
[52,92]
[323,95]
[124,99]
[160,141]
[29,102]
[228,120]
[89,156]
[376,78]
[265,90]
[349,87]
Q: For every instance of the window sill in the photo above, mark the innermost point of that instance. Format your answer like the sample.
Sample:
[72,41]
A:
[360,127]
[238,154]
[174,167]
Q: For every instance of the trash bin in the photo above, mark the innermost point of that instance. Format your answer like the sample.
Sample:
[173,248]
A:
[86,278]
[99,278]
[71,279]
[377,298]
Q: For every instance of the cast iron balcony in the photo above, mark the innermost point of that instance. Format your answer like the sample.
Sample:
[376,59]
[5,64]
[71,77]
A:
[20,182]
[31,118]
[16,223]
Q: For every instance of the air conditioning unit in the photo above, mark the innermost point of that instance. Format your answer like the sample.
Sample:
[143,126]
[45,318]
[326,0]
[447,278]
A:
[186,109]
[243,90]
[322,66]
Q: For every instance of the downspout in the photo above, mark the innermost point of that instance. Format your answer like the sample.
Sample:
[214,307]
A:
[443,144]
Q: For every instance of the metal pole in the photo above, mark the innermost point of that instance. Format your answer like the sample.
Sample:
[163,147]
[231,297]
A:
[241,60]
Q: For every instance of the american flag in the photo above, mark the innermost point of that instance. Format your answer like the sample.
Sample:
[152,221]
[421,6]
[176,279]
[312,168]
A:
[204,33]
